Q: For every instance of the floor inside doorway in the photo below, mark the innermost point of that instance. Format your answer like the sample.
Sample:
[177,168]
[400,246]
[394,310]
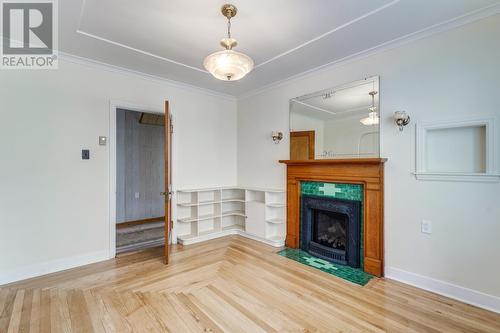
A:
[140,236]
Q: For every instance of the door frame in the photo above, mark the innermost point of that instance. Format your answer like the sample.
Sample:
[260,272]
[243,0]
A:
[137,107]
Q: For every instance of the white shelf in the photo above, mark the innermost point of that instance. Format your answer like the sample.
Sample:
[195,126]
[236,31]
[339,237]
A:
[275,220]
[275,241]
[207,232]
[202,203]
[209,213]
[234,213]
[199,190]
[197,218]
[232,200]
[234,227]
[275,205]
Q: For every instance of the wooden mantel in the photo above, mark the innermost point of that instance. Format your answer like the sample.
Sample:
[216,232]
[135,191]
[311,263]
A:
[368,172]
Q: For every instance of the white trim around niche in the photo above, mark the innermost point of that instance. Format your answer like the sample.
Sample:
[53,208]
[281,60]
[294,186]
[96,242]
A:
[421,173]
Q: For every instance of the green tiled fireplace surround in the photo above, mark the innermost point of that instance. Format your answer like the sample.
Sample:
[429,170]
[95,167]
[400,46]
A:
[338,191]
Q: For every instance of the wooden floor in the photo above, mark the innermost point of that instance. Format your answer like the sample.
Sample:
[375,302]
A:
[231,284]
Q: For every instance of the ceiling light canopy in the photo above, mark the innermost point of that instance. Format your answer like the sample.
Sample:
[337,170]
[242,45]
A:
[228,65]
[372,118]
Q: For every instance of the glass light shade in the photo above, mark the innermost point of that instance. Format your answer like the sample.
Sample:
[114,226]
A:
[228,65]
[371,120]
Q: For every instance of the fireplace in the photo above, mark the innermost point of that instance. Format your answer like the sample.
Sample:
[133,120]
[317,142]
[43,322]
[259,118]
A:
[330,229]
[368,172]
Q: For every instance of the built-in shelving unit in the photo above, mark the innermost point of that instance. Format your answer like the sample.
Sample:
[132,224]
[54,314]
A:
[204,214]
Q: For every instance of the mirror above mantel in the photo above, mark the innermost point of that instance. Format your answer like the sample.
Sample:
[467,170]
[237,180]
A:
[338,122]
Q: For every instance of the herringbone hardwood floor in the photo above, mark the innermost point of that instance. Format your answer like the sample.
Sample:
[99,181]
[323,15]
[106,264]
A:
[226,285]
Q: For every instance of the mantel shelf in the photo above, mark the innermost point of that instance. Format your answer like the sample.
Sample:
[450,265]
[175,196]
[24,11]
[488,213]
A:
[336,161]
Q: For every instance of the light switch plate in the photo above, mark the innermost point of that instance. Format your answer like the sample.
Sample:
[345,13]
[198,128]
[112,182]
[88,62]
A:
[426,227]
[137,195]
[103,140]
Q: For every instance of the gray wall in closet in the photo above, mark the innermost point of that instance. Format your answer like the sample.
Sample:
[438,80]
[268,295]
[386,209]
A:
[140,168]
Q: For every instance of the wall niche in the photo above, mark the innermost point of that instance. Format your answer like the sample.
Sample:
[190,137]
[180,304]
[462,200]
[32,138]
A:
[456,151]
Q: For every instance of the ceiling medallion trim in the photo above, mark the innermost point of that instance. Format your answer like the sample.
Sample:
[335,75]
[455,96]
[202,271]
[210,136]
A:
[323,35]
[80,31]
[467,18]
[450,24]
[141,51]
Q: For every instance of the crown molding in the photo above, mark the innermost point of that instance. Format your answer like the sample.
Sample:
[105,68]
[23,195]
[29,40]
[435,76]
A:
[126,71]
[456,22]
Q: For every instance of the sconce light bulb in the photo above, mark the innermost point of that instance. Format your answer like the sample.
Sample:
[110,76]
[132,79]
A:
[401,119]
[277,136]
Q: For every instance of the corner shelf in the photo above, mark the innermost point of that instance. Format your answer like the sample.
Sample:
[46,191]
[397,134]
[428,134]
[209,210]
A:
[275,220]
[275,205]
[210,213]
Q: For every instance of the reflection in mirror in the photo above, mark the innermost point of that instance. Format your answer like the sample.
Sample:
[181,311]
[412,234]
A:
[341,122]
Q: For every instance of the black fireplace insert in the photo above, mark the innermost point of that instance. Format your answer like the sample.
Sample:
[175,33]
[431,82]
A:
[330,229]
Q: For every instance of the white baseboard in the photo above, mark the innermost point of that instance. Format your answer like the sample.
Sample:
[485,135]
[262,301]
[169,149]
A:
[447,289]
[199,239]
[52,266]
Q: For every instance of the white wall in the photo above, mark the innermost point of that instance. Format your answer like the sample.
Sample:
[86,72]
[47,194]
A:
[53,205]
[449,75]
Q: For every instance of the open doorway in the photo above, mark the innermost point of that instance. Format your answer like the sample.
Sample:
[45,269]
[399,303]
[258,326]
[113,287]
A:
[140,180]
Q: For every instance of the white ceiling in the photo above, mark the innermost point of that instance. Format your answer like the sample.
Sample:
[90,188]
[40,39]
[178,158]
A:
[170,38]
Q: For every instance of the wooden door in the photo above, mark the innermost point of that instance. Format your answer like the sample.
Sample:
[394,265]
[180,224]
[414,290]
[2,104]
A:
[168,182]
[302,145]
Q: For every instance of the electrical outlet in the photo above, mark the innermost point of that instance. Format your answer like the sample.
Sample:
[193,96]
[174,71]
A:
[137,195]
[426,227]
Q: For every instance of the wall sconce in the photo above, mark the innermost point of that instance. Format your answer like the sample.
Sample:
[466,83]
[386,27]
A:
[401,119]
[277,136]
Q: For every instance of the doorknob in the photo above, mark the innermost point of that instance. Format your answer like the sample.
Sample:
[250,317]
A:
[165,193]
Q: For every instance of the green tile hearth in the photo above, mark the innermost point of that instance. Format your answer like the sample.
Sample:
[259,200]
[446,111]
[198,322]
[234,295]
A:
[348,273]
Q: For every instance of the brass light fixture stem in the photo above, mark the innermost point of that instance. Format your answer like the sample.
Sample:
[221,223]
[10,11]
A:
[229,11]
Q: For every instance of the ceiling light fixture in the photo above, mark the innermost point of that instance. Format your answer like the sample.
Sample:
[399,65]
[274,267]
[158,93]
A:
[328,95]
[228,65]
[372,118]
